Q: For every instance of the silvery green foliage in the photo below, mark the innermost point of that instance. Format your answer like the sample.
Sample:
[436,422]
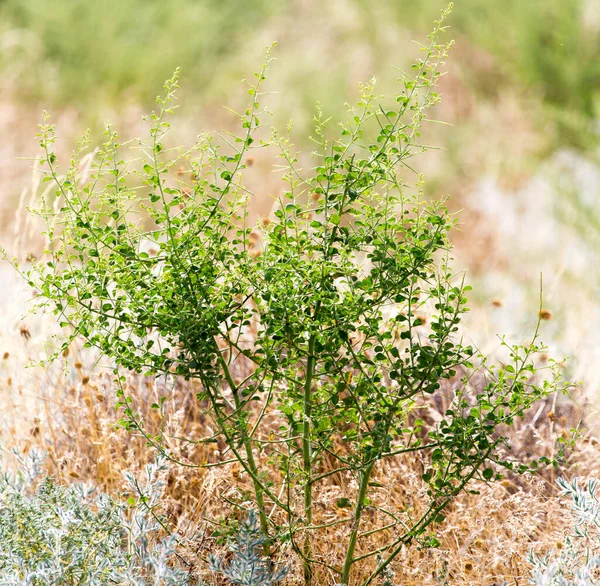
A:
[248,567]
[51,534]
[152,560]
[577,563]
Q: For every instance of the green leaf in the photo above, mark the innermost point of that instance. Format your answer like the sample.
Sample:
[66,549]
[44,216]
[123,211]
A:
[488,473]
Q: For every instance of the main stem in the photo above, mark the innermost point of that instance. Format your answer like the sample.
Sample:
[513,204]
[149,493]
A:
[247,443]
[258,491]
[307,455]
[358,510]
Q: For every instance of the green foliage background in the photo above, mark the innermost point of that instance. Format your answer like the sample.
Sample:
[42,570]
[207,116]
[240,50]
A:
[89,53]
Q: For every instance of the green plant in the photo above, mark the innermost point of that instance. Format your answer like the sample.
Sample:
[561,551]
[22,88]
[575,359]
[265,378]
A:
[51,534]
[316,337]
[577,562]
[248,568]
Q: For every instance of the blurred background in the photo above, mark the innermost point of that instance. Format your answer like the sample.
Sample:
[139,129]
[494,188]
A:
[521,158]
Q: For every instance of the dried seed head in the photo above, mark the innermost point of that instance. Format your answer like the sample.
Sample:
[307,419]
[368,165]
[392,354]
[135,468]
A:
[253,237]
[6,355]
[497,302]
[181,170]
[24,331]
[468,567]
[65,352]
[78,365]
[9,381]
[316,197]
[250,161]
[510,487]
[264,222]
[85,380]
[546,314]
[73,474]
[551,415]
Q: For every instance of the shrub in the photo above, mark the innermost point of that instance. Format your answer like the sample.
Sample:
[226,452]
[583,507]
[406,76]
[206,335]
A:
[577,563]
[51,534]
[317,337]
[248,568]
